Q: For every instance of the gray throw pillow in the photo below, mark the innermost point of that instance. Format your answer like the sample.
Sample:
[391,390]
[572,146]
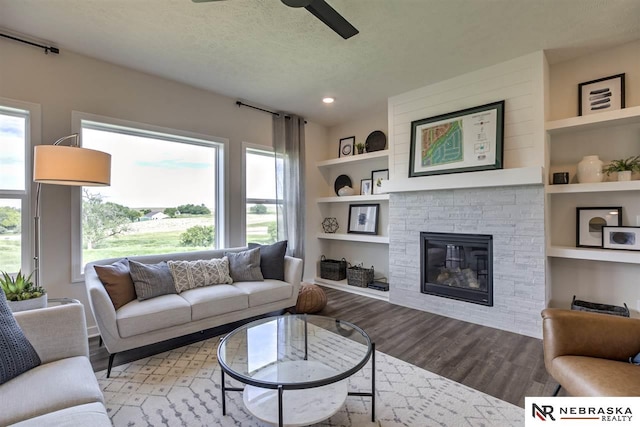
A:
[272,259]
[245,266]
[151,280]
[17,355]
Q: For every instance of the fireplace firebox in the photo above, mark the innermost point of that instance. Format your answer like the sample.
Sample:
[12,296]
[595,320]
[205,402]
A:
[457,266]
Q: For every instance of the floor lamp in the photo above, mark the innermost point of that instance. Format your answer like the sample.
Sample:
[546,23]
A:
[66,165]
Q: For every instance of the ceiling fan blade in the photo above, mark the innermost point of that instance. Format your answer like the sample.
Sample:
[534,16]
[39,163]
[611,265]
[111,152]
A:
[331,18]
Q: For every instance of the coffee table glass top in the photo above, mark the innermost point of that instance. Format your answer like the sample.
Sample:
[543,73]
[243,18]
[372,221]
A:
[261,353]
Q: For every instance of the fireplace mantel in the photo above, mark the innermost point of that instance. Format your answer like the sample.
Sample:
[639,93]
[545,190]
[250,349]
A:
[533,175]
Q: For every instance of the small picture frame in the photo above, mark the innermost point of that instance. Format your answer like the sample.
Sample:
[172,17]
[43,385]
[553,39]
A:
[365,187]
[590,221]
[363,219]
[600,95]
[623,238]
[376,180]
[346,146]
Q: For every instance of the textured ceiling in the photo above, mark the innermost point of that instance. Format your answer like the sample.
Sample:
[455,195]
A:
[264,52]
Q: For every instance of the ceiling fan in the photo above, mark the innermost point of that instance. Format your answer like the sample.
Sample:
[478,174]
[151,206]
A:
[322,11]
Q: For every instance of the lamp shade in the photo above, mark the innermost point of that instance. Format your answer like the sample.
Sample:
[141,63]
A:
[62,165]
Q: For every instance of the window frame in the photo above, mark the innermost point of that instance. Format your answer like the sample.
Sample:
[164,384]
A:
[33,137]
[247,146]
[104,122]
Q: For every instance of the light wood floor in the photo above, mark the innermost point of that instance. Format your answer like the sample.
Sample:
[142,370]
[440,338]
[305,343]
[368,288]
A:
[503,364]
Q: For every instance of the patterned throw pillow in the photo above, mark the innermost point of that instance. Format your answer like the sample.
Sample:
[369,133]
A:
[245,266]
[17,355]
[195,274]
[151,280]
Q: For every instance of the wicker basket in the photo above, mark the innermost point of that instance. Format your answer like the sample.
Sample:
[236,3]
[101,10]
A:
[594,307]
[360,277]
[333,269]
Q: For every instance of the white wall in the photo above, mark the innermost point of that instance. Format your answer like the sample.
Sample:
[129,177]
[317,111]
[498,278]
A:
[66,82]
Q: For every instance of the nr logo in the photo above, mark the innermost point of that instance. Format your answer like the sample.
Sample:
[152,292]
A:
[542,412]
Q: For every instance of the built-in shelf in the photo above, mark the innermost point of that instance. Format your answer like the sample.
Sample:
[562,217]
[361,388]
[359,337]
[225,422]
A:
[337,199]
[367,238]
[594,187]
[621,117]
[594,254]
[353,159]
[533,175]
[343,286]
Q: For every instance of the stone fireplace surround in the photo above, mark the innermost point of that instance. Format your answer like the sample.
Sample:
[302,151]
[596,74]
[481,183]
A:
[514,215]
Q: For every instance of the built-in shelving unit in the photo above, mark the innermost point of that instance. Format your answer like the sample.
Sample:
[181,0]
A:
[621,117]
[594,254]
[350,160]
[367,238]
[594,187]
[344,286]
[357,199]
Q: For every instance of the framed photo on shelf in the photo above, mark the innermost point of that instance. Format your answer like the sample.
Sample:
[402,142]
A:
[363,219]
[599,95]
[463,141]
[590,221]
[365,187]
[625,238]
[376,180]
[346,146]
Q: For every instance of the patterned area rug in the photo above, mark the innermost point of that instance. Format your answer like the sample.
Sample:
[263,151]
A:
[181,387]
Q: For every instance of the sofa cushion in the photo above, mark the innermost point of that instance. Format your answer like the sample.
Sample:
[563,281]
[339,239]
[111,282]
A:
[90,414]
[272,259]
[117,281]
[195,274]
[265,292]
[17,355]
[245,266]
[215,300]
[151,280]
[48,388]
[592,376]
[157,313]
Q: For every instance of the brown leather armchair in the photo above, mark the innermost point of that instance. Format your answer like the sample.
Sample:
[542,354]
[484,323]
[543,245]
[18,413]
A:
[588,353]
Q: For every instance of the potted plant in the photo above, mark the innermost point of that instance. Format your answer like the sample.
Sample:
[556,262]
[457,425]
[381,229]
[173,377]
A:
[360,147]
[624,167]
[22,294]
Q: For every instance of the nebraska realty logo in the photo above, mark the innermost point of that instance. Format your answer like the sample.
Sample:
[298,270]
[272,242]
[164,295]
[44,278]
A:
[581,411]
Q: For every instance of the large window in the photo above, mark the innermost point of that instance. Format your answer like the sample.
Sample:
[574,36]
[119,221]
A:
[19,125]
[260,194]
[165,194]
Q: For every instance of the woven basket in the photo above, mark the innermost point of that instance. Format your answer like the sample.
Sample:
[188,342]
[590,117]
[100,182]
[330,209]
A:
[595,307]
[359,276]
[333,269]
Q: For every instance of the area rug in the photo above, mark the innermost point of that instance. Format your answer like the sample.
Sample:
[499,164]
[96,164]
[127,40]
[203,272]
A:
[181,387]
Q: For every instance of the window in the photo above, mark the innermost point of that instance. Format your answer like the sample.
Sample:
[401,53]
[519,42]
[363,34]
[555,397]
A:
[165,193]
[260,195]
[19,126]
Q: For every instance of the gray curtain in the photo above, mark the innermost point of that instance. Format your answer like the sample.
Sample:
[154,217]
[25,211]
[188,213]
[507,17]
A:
[288,143]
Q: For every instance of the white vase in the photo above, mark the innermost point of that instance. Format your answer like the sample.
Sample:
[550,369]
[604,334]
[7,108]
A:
[346,191]
[28,304]
[624,176]
[590,169]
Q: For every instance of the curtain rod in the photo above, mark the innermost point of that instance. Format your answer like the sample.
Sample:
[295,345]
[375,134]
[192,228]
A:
[242,104]
[47,49]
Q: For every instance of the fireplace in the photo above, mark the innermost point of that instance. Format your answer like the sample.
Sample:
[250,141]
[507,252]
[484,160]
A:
[457,266]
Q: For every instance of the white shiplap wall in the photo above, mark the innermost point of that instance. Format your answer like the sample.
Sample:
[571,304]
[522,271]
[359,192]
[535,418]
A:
[520,82]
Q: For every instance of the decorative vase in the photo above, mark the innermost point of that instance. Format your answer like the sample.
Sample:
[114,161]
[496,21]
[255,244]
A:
[624,176]
[346,191]
[590,169]
[28,304]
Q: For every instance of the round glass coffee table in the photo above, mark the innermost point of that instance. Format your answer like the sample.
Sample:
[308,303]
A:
[295,367]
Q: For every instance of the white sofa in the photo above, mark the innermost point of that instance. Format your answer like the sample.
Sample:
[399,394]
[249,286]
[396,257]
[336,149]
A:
[63,390]
[140,323]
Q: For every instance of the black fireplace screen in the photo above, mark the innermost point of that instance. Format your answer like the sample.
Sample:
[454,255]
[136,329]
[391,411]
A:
[457,266]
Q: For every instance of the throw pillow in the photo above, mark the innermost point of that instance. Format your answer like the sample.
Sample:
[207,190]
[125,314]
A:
[245,266]
[17,355]
[117,281]
[151,280]
[204,272]
[272,259]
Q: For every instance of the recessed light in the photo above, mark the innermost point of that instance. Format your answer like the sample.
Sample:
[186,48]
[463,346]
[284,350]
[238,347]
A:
[328,100]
